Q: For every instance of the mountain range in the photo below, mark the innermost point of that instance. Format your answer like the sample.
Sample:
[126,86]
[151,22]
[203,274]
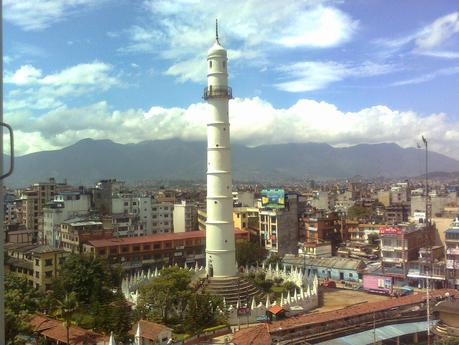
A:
[90,160]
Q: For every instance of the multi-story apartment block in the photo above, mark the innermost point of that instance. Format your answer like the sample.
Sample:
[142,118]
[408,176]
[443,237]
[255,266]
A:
[452,253]
[243,199]
[245,217]
[39,264]
[323,229]
[162,217]
[64,206]
[77,231]
[185,217]
[103,194]
[401,244]
[127,225]
[400,193]
[323,200]
[140,207]
[396,214]
[279,227]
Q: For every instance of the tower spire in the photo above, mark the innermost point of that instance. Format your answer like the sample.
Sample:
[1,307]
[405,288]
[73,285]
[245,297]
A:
[216,30]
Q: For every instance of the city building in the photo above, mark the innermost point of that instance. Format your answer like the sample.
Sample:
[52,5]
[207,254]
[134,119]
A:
[39,264]
[244,199]
[279,225]
[452,253]
[202,219]
[103,194]
[401,244]
[447,314]
[75,232]
[185,216]
[396,213]
[155,251]
[65,205]
[315,249]
[138,207]
[323,229]
[323,200]
[34,200]
[245,217]
[162,217]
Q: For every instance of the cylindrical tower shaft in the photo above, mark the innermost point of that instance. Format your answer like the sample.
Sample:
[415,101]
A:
[220,247]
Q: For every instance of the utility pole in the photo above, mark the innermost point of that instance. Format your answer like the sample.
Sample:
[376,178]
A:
[428,240]
[428,310]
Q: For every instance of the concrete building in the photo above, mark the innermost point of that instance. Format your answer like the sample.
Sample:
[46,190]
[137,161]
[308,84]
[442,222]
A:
[315,249]
[323,229]
[34,200]
[39,264]
[244,199]
[383,197]
[401,244]
[77,231]
[64,206]
[279,227]
[162,220]
[154,251]
[323,200]
[396,213]
[400,193]
[103,194]
[139,207]
[245,217]
[202,219]
[185,217]
[151,333]
[452,253]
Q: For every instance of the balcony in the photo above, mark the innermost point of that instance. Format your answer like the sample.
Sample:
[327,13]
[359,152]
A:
[217,92]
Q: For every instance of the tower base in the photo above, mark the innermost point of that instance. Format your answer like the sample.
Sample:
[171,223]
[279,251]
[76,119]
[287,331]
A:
[233,289]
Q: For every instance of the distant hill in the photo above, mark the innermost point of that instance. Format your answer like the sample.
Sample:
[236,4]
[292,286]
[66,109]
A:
[90,160]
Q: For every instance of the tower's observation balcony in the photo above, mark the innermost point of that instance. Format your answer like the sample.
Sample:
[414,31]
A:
[217,92]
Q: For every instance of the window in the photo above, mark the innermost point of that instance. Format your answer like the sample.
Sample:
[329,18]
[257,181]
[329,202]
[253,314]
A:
[114,250]
[210,64]
[37,274]
[146,247]
[48,274]
[157,246]
[136,248]
[224,64]
[48,262]
[125,249]
[37,262]
[101,251]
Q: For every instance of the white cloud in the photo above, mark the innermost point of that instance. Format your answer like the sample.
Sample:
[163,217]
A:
[438,32]
[182,31]
[431,40]
[429,76]
[32,15]
[314,75]
[40,91]
[305,121]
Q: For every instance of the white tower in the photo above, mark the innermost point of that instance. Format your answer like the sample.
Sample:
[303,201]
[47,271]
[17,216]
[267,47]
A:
[220,248]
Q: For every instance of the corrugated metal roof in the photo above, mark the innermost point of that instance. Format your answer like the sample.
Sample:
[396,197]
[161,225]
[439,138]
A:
[452,231]
[382,333]
[332,262]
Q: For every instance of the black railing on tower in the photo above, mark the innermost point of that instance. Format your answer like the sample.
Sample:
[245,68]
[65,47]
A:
[217,92]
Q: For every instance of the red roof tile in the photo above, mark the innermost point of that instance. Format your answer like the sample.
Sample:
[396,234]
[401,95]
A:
[152,238]
[355,310]
[276,309]
[257,335]
[55,330]
[149,330]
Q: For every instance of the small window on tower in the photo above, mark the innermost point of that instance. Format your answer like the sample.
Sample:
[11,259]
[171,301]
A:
[224,64]
[210,64]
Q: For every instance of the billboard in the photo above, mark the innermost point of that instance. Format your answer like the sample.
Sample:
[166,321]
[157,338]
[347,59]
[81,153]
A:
[389,230]
[273,198]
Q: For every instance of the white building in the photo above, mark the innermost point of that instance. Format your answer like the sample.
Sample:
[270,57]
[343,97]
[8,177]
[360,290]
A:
[64,206]
[162,217]
[138,206]
[185,217]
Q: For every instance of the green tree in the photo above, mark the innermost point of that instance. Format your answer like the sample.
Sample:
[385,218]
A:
[65,309]
[249,253]
[447,341]
[95,286]
[21,301]
[274,259]
[203,311]
[171,290]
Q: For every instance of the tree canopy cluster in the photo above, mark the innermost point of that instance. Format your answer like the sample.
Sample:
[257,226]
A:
[171,299]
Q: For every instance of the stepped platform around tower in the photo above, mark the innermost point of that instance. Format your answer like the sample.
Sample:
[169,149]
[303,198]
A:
[233,289]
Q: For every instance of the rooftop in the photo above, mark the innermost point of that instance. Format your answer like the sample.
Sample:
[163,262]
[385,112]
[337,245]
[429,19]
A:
[332,262]
[257,335]
[149,330]
[55,330]
[153,238]
[360,309]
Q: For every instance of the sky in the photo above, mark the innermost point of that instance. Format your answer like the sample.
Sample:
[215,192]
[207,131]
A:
[340,72]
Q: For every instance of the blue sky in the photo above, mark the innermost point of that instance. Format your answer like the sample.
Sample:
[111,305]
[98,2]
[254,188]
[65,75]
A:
[341,72]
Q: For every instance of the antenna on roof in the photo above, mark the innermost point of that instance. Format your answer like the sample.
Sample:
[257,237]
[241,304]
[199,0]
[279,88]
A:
[216,30]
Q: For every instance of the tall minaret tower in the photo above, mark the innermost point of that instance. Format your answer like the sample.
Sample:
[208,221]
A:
[220,248]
